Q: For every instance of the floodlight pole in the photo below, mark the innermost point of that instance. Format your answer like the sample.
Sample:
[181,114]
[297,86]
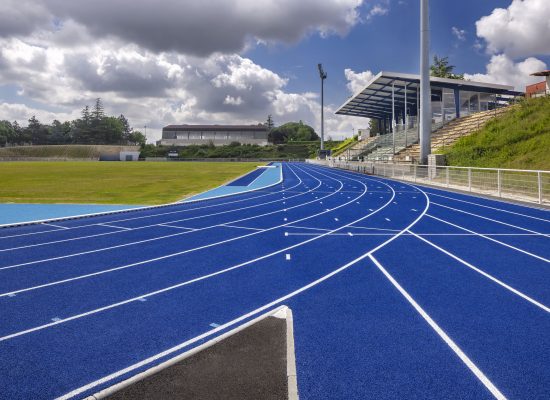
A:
[425,91]
[323,76]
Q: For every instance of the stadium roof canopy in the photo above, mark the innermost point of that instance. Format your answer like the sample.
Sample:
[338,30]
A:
[375,100]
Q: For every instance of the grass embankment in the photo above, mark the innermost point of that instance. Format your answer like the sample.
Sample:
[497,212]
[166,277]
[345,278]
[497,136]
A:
[518,139]
[112,182]
[62,151]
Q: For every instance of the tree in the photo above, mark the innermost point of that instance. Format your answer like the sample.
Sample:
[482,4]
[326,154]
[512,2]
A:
[98,111]
[374,127]
[442,69]
[292,131]
[270,124]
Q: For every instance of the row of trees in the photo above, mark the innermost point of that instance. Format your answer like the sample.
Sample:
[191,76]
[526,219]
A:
[290,132]
[93,127]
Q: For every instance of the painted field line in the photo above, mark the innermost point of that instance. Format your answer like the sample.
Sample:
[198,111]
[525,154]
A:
[141,227]
[496,208]
[92,274]
[55,226]
[241,227]
[441,333]
[491,239]
[485,274]
[489,219]
[137,298]
[241,318]
[143,240]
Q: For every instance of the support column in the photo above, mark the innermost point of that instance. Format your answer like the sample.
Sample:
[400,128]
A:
[425,90]
[393,115]
[405,118]
[457,102]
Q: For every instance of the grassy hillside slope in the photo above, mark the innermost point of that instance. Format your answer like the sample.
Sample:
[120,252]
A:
[518,139]
[62,151]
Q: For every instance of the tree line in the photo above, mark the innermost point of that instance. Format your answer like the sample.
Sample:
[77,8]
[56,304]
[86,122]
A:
[93,127]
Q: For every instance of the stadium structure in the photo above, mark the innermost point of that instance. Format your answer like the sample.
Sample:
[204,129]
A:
[219,135]
[393,100]
[539,89]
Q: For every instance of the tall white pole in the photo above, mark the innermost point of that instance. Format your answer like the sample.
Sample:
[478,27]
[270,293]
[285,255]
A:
[322,115]
[393,116]
[425,91]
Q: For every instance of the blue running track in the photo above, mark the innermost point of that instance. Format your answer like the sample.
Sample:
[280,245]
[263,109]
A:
[397,291]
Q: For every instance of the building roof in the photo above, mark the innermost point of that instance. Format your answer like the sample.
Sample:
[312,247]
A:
[215,127]
[375,100]
[542,73]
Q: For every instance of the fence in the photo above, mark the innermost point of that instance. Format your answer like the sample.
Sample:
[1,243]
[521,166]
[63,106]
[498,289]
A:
[524,185]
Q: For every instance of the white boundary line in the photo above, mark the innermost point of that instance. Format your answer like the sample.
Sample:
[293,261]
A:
[485,274]
[454,347]
[491,239]
[245,316]
[489,219]
[496,208]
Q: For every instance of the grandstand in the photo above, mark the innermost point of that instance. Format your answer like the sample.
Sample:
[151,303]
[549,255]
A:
[393,100]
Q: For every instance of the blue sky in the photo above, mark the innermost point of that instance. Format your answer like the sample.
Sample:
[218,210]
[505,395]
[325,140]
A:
[161,62]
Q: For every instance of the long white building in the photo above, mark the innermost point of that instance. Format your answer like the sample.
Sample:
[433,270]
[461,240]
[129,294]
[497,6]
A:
[219,135]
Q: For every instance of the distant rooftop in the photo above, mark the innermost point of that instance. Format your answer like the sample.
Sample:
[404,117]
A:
[186,127]
[542,73]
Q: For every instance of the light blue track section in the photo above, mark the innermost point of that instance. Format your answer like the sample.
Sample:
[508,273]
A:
[19,213]
[269,177]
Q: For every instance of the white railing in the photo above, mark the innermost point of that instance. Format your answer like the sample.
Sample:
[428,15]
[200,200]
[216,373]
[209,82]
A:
[516,184]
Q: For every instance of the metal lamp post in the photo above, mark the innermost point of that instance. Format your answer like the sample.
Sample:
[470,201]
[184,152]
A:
[425,91]
[323,76]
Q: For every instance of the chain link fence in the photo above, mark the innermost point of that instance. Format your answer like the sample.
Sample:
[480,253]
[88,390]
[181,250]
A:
[524,185]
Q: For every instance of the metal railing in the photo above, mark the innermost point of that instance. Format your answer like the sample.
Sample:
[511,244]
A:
[515,184]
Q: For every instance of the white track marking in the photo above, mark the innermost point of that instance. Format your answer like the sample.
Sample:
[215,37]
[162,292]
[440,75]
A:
[304,227]
[489,219]
[41,327]
[375,229]
[496,208]
[485,274]
[92,274]
[55,226]
[442,334]
[117,227]
[177,227]
[491,239]
[236,320]
[242,227]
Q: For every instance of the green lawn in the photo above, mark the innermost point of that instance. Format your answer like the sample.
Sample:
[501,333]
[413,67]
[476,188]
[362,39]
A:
[112,182]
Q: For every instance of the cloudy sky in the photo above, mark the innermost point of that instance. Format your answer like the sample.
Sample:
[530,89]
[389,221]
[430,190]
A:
[236,61]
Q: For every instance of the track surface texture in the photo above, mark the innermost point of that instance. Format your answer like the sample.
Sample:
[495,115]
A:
[397,291]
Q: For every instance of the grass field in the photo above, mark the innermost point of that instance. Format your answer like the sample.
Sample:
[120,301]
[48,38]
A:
[112,182]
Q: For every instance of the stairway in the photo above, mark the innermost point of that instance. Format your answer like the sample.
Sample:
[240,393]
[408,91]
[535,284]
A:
[450,133]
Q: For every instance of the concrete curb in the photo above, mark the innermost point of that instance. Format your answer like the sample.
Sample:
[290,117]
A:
[151,371]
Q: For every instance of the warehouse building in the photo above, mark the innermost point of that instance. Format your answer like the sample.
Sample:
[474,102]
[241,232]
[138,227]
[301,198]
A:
[219,135]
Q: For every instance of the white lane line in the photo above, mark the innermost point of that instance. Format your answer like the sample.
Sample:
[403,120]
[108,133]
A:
[236,320]
[304,227]
[54,225]
[287,257]
[442,334]
[62,281]
[177,227]
[491,239]
[116,227]
[387,219]
[242,227]
[485,274]
[77,316]
[489,219]
[496,208]
[202,207]
[134,243]
[375,229]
